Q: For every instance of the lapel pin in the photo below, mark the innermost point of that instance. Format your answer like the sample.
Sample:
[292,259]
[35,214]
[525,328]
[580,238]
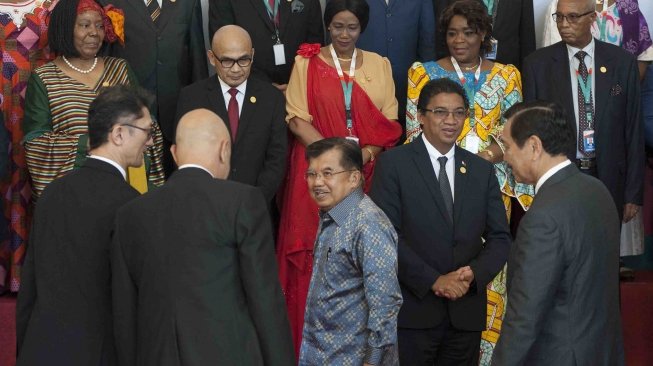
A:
[252,99]
[463,169]
[172,1]
[604,69]
[106,83]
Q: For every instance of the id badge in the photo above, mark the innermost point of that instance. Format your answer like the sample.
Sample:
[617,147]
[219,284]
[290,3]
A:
[353,138]
[472,142]
[492,55]
[279,54]
[588,141]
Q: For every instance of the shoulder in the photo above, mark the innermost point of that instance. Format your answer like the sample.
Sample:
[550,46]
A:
[199,86]
[615,52]
[543,54]
[115,62]
[44,69]
[262,86]
[399,152]
[372,217]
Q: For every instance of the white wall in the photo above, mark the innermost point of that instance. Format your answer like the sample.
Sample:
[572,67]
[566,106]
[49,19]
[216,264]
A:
[540,7]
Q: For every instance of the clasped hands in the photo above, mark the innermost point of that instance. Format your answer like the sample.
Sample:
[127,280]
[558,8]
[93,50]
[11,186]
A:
[454,285]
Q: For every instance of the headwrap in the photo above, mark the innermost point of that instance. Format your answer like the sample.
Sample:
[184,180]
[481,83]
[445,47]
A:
[112,17]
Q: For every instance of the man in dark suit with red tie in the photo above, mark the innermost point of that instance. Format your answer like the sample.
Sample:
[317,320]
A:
[253,110]
[598,86]
[277,28]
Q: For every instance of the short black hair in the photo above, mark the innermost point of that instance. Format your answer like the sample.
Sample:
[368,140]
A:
[61,29]
[477,18]
[112,106]
[440,86]
[358,7]
[546,120]
[351,157]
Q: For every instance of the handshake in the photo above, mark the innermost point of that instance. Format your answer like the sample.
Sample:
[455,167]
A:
[454,285]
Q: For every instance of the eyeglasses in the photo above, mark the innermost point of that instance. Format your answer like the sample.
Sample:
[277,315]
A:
[228,63]
[326,175]
[441,114]
[148,131]
[572,18]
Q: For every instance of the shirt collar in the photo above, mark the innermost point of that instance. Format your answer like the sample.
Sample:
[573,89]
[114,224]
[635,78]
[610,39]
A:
[109,161]
[341,211]
[225,88]
[195,166]
[589,49]
[434,153]
[550,173]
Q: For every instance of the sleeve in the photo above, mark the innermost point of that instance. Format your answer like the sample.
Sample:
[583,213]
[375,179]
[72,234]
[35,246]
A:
[125,298]
[634,134]
[491,259]
[529,91]
[258,270]
[27,294]
[48,153]
[415,274]
[196,46]
[526,30]
[550,34]
[390,105]
[131,76]
[220,13]
[647,106]
[417,78]
[426,42]
[274,167]
[315,32]
[154,156]
[535,270]
[296,93]
[511,96]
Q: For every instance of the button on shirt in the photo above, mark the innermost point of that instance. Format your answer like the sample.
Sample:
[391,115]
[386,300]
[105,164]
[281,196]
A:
[354,295]
[434,154]
[240,97]
[573,66]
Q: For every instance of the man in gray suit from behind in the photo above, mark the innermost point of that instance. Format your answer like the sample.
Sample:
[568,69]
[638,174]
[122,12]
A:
[563,300]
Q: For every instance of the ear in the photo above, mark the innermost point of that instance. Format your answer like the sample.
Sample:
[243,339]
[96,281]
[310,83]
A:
[211,57]
[536,145]
[356,178]
[173,151]
[225,152]
[116,135]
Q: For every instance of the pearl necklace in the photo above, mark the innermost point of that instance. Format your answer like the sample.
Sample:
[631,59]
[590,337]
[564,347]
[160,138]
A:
[78,69]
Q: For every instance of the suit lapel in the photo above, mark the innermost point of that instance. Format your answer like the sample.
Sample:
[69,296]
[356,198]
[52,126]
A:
[562,81]
[284,15]
[216,100]
[140,8]
[460,183]
[168,8]
[602,79]
[247,112]
[263,13]
[425,168]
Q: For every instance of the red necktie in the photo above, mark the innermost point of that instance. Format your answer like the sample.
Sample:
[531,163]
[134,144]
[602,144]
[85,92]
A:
[276,18]
[233,113]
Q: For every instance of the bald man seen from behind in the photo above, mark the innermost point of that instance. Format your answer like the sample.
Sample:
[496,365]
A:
[194,277]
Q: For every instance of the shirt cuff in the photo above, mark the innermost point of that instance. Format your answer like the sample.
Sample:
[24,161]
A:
[373,356]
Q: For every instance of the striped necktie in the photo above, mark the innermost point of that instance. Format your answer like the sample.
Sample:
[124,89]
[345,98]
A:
[154,9]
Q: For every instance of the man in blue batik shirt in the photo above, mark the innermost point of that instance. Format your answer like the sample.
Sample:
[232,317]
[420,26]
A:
[354,295]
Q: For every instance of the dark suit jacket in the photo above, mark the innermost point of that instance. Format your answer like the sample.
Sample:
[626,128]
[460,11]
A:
[618,133]
[194,277]
[165,57]
[563,278]
[513,27]
[258,156]
[406,188]
[295,28]
[63,316]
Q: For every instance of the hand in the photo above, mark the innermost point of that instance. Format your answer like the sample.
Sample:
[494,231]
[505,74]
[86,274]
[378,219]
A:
[451,286]
[485,155]
[630,210]
[465,274]
[281,87]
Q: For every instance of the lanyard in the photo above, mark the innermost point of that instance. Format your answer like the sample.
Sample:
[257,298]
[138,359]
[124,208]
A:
[586,89]
[347,87]
[273,14]
[470,93]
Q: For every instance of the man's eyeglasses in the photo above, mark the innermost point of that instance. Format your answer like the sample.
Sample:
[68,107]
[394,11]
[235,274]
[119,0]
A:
[441,113]
[572,18]
[148,131]
[228,63]
[326,175]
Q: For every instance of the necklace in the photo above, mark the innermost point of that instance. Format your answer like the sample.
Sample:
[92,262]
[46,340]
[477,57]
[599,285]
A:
[469,68]
[344,59]
[78,69]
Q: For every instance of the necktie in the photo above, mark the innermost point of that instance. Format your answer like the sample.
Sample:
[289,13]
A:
[585,110]
[276,17]
[154,9]
[445,188]
[233,113]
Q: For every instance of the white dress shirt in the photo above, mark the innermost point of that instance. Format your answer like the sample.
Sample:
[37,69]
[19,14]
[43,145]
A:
[434,154]
[573,66]
[116,165]
[240,97]
[195,166]
[158,1]
[549,173]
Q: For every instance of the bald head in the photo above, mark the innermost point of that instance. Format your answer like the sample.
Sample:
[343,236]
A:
[231,46]
[203,139]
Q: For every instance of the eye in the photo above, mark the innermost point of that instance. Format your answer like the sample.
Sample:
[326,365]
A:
[470,33]
[451,34]
[441,113]
[459,114]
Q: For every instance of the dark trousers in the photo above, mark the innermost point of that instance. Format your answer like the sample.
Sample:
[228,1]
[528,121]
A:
[440,346]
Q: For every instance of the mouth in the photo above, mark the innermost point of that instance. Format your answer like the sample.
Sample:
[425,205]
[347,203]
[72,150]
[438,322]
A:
[319,194]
